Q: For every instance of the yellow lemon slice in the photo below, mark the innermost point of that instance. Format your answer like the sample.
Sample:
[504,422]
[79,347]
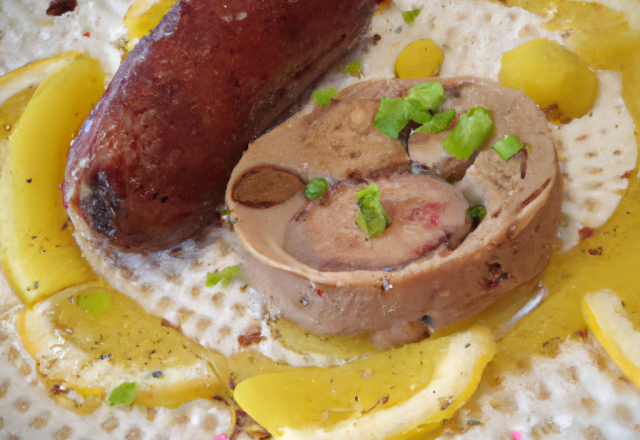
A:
[608,320]
[89,340]
[45,104]
[393,394]
[142,16]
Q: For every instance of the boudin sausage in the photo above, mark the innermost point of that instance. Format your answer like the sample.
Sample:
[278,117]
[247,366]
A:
[152,161]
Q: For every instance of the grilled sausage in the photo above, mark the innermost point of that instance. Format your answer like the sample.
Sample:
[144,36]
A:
[152,161]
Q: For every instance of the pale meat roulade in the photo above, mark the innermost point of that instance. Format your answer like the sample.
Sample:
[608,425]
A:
[316,267]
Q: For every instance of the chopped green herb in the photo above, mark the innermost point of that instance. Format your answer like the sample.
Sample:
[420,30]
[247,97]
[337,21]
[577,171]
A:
[508,146]
[224,276]
[316,188]
[440,122]
[528,149]
[123,393]
[223,210]
[324,97]
[423,101]
[472,130]
[474,422]
[410,16]
[353,69]
[372,219]
[391,117]
[95,304]
[477,211]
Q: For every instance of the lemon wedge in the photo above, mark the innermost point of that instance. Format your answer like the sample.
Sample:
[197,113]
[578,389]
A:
[37,248]
[142,16]
[89,340]
[608,320]
[393,394]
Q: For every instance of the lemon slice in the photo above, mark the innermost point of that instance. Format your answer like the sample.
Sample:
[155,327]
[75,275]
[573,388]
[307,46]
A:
[393,394]
[89,340]
[142,16]
[37,248]
[608,320]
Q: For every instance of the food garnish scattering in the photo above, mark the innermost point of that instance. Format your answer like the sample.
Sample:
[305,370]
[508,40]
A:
[357,245]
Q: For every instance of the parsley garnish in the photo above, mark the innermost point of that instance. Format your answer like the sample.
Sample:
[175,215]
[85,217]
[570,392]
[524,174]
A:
[472,130]
[123,393]
[324,97]
[372,219]
[224,276]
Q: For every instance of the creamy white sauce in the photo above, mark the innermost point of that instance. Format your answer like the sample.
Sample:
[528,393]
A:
[28,34]
[597,152]
[473,36]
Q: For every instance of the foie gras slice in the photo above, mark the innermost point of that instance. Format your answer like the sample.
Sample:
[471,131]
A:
[309,277]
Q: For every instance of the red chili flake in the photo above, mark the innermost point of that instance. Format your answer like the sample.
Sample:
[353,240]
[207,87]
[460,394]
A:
[427,213]
[86,34]
[627,174]
[65,225]
[57,389]
[427,248]
[176,252]
[597,251]
[491,284]
[581,333]
[58,7]
[232,382]
[133,145]
[319,292]
[585,233]
[253,338]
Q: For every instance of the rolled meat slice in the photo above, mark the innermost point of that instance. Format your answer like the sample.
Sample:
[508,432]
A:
[427,215]
[314,267]
[151,164]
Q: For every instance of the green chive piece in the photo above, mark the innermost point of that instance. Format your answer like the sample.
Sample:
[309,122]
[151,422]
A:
[224,276]
[324,97]
[353,69]
[316,188]
[477,211]
[372,219]
[123,393]
[95,304]
[423,101]
[440,122]
[391,117]
[472,130]
[410,16]
[508,146]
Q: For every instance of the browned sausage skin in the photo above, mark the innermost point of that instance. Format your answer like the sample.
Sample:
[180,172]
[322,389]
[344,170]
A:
[152,162]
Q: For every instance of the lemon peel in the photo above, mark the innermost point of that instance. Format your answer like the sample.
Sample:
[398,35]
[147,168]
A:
[458,363]
[608,321]
[37,249]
